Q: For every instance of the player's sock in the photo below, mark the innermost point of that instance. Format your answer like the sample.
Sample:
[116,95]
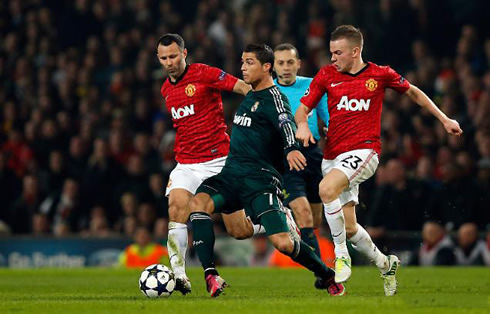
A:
[177,246]
[362,242]
[304,255]
[203,233]
[308,236]
[258,229]
[335,218]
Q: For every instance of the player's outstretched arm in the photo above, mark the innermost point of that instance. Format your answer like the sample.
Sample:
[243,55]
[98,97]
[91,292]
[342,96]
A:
[241,87]
[296,160]
[303,133]
[419,97]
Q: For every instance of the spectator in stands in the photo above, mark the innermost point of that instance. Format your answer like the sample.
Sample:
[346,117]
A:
[437,247]
[469,250]
[40,225]
[26,206]
[262,252]
[143,251]
[63,207]
[61,82]
[9,187]
[399,204]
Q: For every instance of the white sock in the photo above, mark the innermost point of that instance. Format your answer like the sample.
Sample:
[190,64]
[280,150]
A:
[258,229]
[362,242]
[177,247]
[335,218]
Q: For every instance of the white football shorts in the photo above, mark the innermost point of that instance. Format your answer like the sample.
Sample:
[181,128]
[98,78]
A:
[190,176]
[358,165]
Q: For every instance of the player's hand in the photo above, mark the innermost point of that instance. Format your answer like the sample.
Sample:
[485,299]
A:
[452,127]
[304,136]
[325,130]
[296,160]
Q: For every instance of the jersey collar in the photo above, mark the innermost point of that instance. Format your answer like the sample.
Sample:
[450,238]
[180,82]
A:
[180,77]
[360,71]
[277,82]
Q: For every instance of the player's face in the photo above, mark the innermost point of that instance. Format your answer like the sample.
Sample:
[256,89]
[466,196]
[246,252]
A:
[253,71]
[172,59]
[286,66]
[343,54]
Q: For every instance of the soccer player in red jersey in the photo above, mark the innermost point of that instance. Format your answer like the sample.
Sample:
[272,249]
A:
[192,94]
[355,94]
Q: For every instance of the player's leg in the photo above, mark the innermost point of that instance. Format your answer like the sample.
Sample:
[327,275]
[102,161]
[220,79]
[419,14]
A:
[312,178]
[362,242]
[177,236]
[299,251]
[317,213]
[211,196]
[202,206]
[295,192]
[238,225]
[304,219]
[330,189]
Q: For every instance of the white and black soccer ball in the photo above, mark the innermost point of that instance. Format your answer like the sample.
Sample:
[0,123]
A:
[157,281]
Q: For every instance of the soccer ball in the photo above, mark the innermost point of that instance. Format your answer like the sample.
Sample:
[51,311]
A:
[157,281]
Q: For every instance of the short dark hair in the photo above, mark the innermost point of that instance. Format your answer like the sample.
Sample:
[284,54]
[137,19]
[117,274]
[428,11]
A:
[287,46]
[263,53]
[348,32]
[168,39]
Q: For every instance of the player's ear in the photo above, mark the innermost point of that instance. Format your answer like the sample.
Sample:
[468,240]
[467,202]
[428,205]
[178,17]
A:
[356,52]
[267,67]
[184,52]
[299,64]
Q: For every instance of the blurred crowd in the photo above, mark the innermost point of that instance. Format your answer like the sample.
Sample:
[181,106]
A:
[86,142]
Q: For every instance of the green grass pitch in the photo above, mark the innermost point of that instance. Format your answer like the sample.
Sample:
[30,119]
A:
[253,290]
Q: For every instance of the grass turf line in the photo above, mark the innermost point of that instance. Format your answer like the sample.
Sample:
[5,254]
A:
[253,290]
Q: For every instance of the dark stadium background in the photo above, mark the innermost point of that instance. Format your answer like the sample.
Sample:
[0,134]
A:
[82,121]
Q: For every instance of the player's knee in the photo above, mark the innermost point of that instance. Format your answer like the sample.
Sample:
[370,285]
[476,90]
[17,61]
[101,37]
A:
[328,192]
[240,234]
[198,205]
[283,243]
[178,213]
[302,215]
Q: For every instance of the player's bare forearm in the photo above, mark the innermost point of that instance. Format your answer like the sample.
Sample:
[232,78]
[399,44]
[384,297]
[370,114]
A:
[419,97]
[301,115]
[296,160]
[303,133]
[241,87]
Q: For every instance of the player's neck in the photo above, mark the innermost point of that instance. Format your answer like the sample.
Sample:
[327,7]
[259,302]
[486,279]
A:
[263,84]
[357,66]
[284,83]
[177,77]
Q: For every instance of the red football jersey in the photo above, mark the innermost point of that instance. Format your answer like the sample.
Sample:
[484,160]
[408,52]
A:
[194,101]
[354,105]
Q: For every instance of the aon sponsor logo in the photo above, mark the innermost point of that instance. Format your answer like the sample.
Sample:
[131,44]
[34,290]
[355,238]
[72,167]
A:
[182,112]
[242,120]
[353,104]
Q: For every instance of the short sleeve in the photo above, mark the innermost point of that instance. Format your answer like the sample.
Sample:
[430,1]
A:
[217,78]
[315,91]
[396,81]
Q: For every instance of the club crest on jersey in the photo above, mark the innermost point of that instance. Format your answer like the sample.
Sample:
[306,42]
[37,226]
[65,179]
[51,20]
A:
[255,106]
[371,85]
[190,90]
